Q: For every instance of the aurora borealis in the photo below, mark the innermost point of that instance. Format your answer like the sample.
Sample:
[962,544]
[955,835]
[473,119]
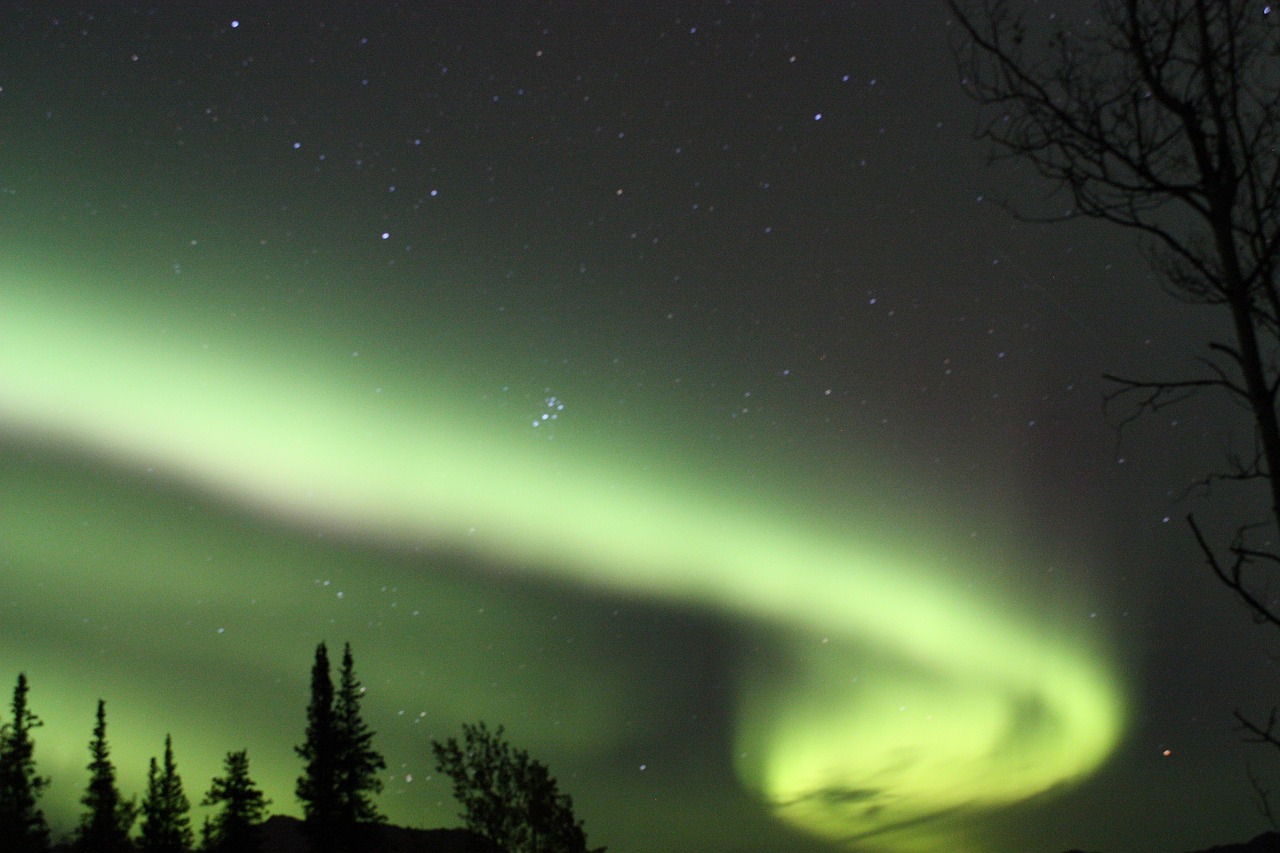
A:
[991,710]
[654,382]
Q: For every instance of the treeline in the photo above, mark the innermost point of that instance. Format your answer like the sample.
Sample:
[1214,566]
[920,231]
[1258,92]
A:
[505,795]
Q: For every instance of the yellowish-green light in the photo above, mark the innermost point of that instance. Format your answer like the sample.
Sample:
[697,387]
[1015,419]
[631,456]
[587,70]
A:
[961,703]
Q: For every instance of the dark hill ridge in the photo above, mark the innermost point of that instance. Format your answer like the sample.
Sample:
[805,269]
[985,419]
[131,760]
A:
[1265,843]
[284,835]
[1268,842]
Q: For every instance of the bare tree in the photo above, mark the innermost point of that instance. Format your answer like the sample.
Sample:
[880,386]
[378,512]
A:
[1163,117]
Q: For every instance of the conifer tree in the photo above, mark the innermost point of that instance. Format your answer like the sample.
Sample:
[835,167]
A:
[238,827]
[357,761]
[318,785]
[340,773]
[22,823]
[104,828]
[166,819]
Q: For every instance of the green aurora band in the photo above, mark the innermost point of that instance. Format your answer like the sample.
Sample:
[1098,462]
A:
[975,705]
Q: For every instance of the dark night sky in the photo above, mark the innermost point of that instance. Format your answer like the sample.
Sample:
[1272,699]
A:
[663,381]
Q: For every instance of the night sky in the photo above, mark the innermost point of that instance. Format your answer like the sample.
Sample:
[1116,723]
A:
[662,381]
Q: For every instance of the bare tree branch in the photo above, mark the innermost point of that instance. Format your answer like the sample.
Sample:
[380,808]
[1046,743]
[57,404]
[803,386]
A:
[1268,734]
[1163,117]
[1263,798]
[1234,575]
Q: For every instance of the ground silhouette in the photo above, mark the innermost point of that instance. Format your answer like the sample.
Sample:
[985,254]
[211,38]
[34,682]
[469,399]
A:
[1268,842]
[283,834]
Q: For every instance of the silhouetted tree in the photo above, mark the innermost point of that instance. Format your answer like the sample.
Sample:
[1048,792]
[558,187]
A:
[22,823]
[237,828]
[104,828]
[1163,117]
[318,784]
[508,797]
[340,774]
[357,761]
[166,812]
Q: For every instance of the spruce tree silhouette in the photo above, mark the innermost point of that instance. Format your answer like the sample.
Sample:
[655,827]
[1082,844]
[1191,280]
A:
[166,818]
[22,824]
[340,773]
[104,827]
[318,784]
[237,828]
[357,761]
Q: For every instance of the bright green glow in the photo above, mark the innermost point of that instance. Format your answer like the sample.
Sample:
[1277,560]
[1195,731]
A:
[963,704]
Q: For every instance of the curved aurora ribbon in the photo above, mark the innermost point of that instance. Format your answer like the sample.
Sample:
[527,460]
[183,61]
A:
[967,705]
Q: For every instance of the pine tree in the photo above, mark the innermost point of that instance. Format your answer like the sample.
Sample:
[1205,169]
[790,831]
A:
[104,828]
[166,818]
[357,761]
[318,784]
[341,771]
[22,823]
[238,827]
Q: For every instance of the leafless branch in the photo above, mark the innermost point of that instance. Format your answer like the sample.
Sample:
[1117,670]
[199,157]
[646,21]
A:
[1262,797]
[1255,733]
[1234,574]
[1163,117]
[1152,396]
